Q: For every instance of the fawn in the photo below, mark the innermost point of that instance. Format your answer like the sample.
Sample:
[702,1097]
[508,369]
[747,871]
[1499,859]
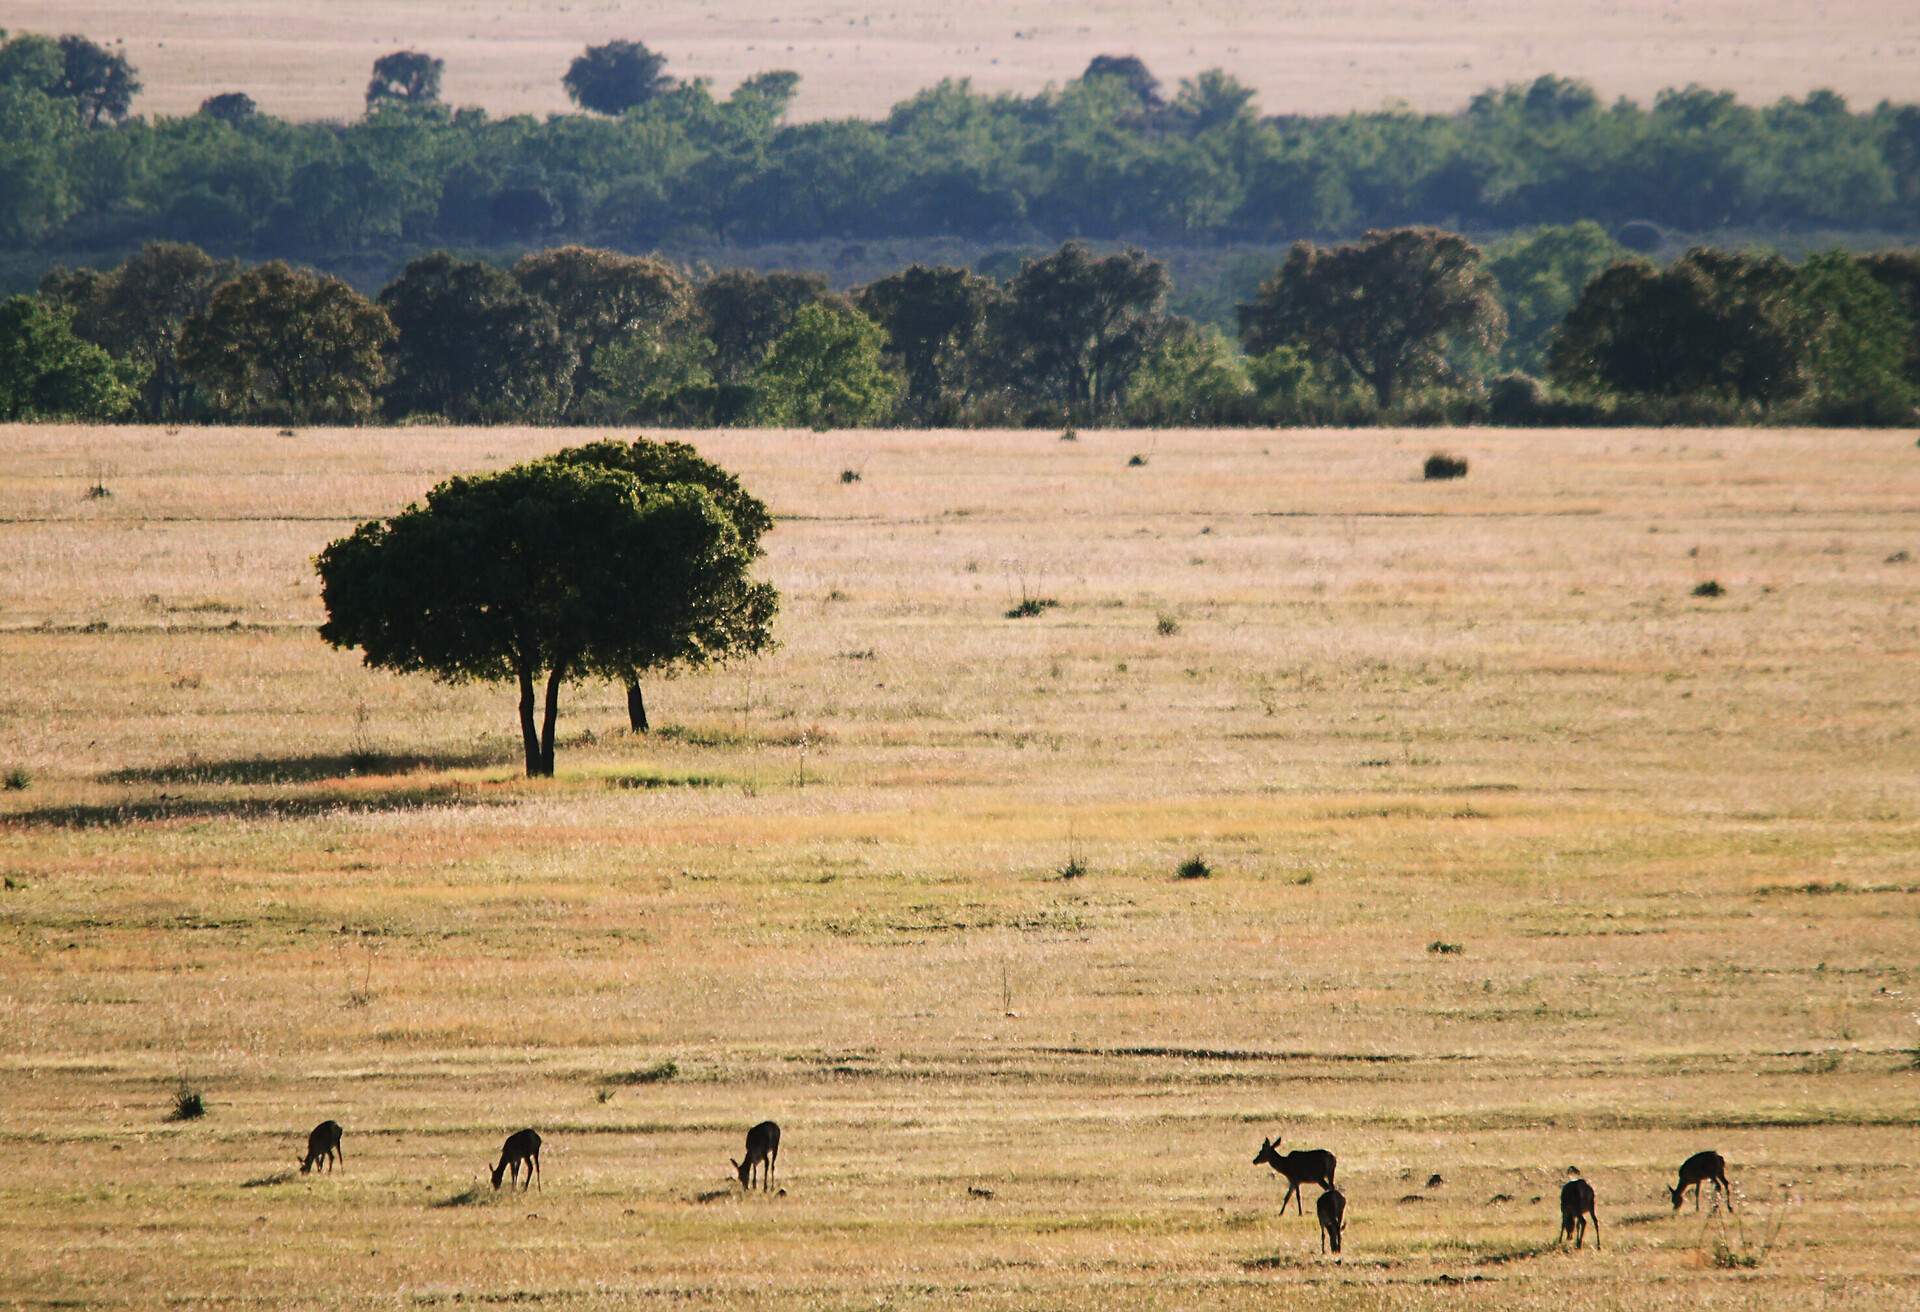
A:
[1698,1169]
[1314,1166]
[1576,1205]
[323,1145]
[763,1148]
[1331,1208]
[521,1146]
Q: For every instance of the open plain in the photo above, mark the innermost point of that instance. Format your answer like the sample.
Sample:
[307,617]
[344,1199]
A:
[312,61]
[1522,857]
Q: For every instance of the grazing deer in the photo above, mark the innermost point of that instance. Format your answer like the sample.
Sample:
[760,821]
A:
[323,1145]
[1314,1166]
[763,1149]
[1698,1169]
[521,1146]
[1331,1208]
[1576,1205]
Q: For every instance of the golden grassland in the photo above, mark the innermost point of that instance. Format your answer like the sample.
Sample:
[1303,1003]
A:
[312,61]
[1675,841]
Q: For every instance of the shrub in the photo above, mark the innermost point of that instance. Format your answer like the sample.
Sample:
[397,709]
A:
[1442,948]
[1194,867]
[1031,606]
[188,1103]
[849,476]
[1711,588]
[18,780]
[1442,465]
[1135,461]
[1075,868]
[1166,625]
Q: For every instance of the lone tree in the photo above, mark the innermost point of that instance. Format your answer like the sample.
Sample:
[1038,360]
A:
[544,572]
[732,619]
[405,77]
[287,345]
[235,107]
[615,77]
[1392,307]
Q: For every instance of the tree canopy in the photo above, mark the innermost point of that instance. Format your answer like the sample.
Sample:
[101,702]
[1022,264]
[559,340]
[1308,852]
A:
[542,573]
[473,347]
[46,372]
[1394,308]
[616,77]
[825,371]
[286,345]
[405,77]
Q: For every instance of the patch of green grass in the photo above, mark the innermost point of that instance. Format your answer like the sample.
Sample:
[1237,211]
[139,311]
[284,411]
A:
[1028,607]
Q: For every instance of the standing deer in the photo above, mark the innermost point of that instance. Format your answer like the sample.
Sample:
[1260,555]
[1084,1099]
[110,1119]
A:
[1576,1205]
[763,1149]
[522,1146]
[1698,1169]
[1331,1208]
[323,1145]
[1313,1166]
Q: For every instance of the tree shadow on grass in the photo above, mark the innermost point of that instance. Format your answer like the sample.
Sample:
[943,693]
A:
[268,1181]
[467,1197]
[303,769]
[101,815]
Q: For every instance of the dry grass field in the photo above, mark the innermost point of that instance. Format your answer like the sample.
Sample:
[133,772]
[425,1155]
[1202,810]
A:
[1675,842]
[308,60]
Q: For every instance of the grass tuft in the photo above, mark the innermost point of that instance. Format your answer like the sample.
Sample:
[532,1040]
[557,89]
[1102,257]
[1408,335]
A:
[189,1104]
[1194,867]
[18,780]
[1442,948]
[1711,588]
[1028,607]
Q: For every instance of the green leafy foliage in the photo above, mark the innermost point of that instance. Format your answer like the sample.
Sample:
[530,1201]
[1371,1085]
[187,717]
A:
[285,345]
[473,347]
[551,570]
[825,371]
[46,372]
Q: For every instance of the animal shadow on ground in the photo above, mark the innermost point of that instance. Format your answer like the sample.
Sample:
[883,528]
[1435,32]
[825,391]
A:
[268,1181]
[714,1195]
[469,1197]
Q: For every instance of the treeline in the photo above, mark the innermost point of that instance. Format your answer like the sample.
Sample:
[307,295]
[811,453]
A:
[1408,325]
[1109,155]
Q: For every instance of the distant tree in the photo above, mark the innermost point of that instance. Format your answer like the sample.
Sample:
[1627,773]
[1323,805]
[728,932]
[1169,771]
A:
[1193,378]
[405,77]
[746,310]
[1073,327]
[934,318]
[1541,274]
[1859,339]
[39,139]
[472,346]
[1899,273]
[100,83]
[656,374]
[287,345]
[731,620]
[1393,308]
[1715,324]
[616,77]
[543,572]
[234,107]
[1133,73]
[825,371]
[601,297]
[138,312]
[46,372]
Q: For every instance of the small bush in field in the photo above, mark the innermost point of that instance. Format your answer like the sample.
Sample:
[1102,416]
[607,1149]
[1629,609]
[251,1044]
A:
[1166,625]
[1136,461]
[849,476]
[189,1104]
[1442,948]
[1194,867]
[1031,606]
[1711,588]
[1442,465]
[18,780]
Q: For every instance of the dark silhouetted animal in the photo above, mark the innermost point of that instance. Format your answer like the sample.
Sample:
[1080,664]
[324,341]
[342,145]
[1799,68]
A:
[1576,1205]
[763,1146]
[1698,1169]
[1331,1208]
[521,1146]
[323,1145]
[1313,1166]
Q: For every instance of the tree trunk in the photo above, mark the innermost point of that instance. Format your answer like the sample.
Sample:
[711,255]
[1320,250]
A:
[636,706]
[529,738]
[552,716]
